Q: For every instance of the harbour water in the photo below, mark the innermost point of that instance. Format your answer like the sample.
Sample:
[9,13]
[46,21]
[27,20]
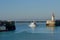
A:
[24,32]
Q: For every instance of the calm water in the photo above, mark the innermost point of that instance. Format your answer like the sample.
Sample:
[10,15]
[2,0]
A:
[24,32]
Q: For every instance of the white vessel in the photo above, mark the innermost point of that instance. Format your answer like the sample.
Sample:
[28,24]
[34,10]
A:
[32,24]
[52,21]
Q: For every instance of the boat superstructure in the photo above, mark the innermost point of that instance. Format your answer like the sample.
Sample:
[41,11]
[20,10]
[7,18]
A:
[32,24]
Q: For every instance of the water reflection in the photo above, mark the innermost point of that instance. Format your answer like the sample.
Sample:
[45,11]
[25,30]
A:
[51,28]
[33,29]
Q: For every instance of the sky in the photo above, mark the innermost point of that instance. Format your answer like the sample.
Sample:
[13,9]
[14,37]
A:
[29,9]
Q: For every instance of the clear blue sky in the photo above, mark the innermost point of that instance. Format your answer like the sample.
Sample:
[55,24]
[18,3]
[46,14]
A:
[29,9]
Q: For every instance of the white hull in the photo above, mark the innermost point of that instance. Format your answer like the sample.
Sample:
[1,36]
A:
[32,25]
